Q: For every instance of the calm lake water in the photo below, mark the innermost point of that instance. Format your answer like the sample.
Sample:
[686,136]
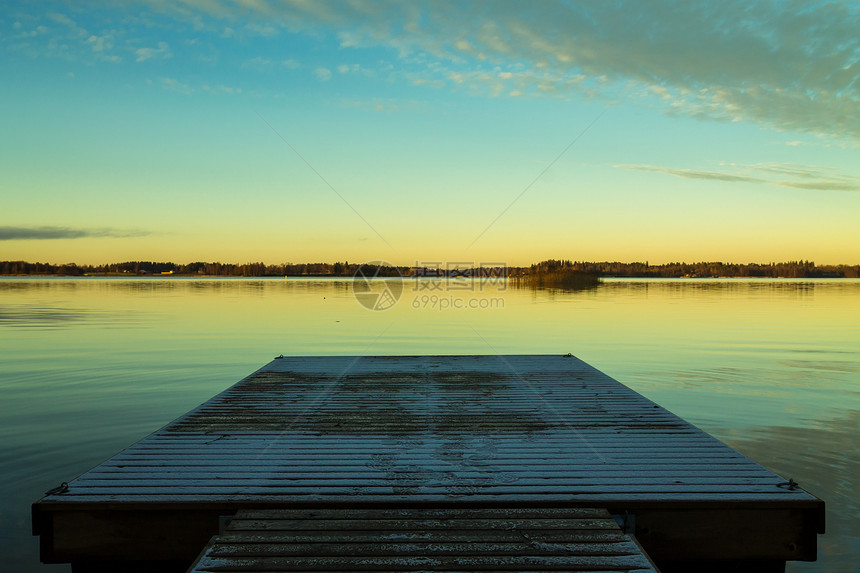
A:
[89,366]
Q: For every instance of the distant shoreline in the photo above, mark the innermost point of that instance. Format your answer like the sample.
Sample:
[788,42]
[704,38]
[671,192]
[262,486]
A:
[791,269]
[351,277]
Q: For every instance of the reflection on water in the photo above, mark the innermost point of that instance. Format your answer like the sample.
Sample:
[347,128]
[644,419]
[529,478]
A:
[826,453]
[34,316]
[91,365]
[39,317]
[818,366]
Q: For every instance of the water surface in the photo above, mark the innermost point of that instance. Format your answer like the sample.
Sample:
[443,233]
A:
[89,366]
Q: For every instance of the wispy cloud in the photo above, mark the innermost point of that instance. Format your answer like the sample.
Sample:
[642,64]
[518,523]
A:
[258,63]
[264,30]
[162,51]
[56,35]
[76,31]
[790,65]
[385,105]
[174,85]
[265,65]
[221,89]
[48,232]
[779,174]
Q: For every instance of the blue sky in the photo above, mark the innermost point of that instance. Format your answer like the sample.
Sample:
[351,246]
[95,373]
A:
[429,131]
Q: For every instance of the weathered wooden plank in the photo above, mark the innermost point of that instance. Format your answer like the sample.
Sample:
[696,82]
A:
[421,487]
[313,472]
[464,492]
[436,563]
[508,452]
[551,451]
[566,457]
[289,442]
[251,546]
[418,521]
[275,448]
[548,457]
[404,453]
[433,536]
[331,481]
[642,468]
[425,512]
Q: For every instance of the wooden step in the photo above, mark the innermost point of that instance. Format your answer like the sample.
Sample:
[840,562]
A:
[468,539]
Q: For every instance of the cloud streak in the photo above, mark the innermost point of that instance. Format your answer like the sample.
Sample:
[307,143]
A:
[778,174]
[47,233]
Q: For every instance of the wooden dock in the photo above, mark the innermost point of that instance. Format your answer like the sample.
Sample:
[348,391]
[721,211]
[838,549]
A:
[429,434]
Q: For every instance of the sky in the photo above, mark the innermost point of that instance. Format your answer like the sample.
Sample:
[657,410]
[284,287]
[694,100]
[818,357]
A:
[429,131]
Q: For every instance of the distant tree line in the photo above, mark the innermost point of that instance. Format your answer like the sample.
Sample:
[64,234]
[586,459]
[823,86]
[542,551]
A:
[197,268]
[791,269]
[546,269]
